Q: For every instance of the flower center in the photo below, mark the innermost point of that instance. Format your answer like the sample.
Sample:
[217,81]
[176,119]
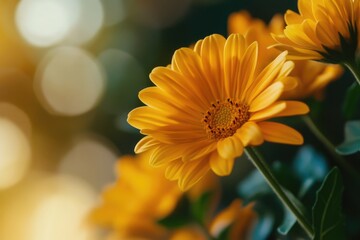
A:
[224,118]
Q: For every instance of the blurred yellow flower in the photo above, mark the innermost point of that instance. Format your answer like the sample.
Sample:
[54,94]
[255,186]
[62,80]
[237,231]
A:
[209,104]
[140,197]
[322,30]
[312,76]
[240,220]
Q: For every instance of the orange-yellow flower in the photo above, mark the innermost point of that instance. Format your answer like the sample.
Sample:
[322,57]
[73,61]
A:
[141,196]
[322,30]
[210,103]
[240,220]
[312,76]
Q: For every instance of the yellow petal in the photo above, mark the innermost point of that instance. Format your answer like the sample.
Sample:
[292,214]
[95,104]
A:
[164,154]
[192,172]
[265,78]
[145,117]
[173,169]
[267,97]
[230,147]
[293,108]
[268,112]
[248,67]
[280,133]
[145,144]
[250,134]
[221,166]
[292,17]
[233,51]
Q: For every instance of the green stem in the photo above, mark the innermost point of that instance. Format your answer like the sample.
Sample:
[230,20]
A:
[331,148]
[265,170]
[354,70]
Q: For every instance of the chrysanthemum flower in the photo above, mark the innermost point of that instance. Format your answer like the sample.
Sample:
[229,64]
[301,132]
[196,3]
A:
[210,103]
[139,198]
[322,30]
[312,76]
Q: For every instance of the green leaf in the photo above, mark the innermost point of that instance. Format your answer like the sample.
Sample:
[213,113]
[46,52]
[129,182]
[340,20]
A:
[201,206]
[328,222]
[352,101]
[289,218]
[351,143]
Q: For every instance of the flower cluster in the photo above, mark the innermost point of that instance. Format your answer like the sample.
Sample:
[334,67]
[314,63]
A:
[221,98]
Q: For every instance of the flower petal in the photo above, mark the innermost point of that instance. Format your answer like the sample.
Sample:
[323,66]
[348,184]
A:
[250,134]
[280,133]
[293,108]
[164,154]
[267,97]
[192,172]
[146,143]
[230,147]
[173,169]
[221,166]
[269,112]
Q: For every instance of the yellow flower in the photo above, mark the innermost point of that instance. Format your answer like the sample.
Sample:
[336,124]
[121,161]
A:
[209,104]
[312,76]
[140,197]
[322,30]
[239,219]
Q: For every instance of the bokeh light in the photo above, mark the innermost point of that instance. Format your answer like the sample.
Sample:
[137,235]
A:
[17,116]
[89,21]
[69,81]
[92,159]
[45,22]
[48,207]
[15,153]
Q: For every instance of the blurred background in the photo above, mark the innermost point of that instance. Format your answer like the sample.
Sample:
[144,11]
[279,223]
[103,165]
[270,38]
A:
[70,71]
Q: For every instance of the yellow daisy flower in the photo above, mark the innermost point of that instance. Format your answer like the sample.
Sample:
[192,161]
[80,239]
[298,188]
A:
[322,30]
[209,104]
[312,76]
[142,195]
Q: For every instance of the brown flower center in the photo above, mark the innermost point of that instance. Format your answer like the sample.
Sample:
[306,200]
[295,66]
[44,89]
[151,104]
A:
[224,118]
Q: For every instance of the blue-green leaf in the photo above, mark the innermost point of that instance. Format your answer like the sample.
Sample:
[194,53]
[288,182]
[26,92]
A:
[328,222]
[289,218]
[310,164]
[352,139]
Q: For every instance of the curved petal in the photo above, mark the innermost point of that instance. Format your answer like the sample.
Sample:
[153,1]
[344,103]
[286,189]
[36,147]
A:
[146,143]
[164,154]
[173,169]
[192,172]
[293,108]
[267,97]
[230,147]
[269,112]
[221,166]
[250,134]
[280,133]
